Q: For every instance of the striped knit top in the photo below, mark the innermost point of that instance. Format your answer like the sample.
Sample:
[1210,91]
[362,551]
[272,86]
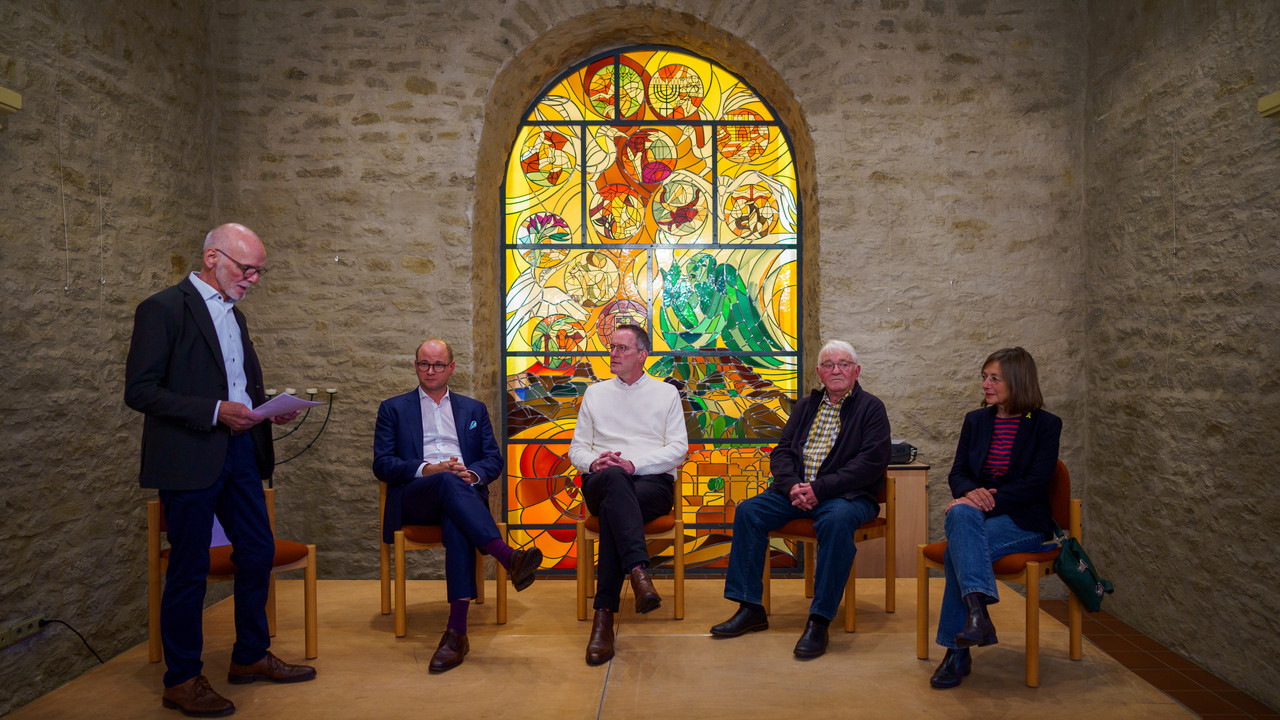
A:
[1001,450]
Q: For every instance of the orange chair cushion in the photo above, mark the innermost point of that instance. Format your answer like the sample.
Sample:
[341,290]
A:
[653,527]
[799,526]
[1007,565]
[287,553]
[804,527]
[422,533]
[1017,562]
[935,552]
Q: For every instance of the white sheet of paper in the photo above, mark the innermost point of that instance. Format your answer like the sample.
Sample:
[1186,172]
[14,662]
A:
[284,403]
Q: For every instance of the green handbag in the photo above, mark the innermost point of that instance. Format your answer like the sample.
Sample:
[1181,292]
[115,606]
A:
[1078,572]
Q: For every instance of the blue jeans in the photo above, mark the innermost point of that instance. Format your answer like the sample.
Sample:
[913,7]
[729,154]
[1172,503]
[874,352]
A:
[974,541]
[834,522]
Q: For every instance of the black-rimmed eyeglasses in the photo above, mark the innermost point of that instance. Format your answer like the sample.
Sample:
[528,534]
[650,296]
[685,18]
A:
[248,271]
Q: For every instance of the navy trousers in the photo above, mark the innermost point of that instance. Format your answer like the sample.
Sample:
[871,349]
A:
[237,499]
[624,503]
[465,525]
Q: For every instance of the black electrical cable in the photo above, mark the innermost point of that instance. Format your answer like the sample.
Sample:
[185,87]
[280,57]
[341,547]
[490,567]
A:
[77,632]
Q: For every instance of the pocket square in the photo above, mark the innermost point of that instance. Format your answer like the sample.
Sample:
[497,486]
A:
[472,426]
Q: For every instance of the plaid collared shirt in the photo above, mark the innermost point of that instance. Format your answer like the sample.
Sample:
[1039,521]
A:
[826,426]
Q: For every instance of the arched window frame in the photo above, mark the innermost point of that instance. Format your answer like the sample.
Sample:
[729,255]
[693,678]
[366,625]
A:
[556,489]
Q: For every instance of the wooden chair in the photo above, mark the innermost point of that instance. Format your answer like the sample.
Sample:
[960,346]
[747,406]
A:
[423,537]
[668,527]
[885,526]
[1023,568]
[289,556]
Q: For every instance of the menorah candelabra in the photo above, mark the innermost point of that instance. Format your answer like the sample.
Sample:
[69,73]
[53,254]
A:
[311,395]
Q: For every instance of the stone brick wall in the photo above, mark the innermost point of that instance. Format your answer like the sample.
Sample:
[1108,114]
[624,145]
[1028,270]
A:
[105,196]
[946,140]
[942,154]
[1183,324]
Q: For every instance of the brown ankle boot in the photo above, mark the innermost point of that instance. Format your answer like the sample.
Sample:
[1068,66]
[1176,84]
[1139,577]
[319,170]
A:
[600,646]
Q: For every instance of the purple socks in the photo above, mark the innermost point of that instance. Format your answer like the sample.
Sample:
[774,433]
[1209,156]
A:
[458,616]
[500,552]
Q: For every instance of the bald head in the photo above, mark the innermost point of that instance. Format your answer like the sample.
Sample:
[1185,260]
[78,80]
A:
[233,258]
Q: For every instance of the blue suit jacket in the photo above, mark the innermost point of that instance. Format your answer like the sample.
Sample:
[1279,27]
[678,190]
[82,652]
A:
[1023,492]
[397,448]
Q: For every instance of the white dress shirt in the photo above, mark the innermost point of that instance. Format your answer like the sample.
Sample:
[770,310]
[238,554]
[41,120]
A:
[439,432]
[224,322]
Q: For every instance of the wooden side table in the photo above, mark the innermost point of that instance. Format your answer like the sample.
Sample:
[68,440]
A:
[913,524]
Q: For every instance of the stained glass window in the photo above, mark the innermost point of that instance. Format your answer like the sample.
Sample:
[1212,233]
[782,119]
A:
[649,186]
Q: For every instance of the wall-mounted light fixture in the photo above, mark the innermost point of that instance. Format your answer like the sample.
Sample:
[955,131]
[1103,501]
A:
[1269,105]
[10,101]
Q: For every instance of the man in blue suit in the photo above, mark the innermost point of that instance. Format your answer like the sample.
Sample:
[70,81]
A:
[436,451]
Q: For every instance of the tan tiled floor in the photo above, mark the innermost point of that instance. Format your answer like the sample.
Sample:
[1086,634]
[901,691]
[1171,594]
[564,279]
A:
[533,667]
[1196,688]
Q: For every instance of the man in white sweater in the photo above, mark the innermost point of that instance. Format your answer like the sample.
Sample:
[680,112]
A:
[628,443]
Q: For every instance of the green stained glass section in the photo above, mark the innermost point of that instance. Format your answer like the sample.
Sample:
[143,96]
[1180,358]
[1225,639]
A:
[649,186]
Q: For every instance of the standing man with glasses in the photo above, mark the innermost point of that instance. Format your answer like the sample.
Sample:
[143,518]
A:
[435,450]
[829,467]
[193,372]
[629,441]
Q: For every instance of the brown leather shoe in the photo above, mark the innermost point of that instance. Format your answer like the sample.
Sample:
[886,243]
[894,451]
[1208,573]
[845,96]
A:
[270,668]
[197,699]
[453,647]
[600,646]
[523,565]
[647,598]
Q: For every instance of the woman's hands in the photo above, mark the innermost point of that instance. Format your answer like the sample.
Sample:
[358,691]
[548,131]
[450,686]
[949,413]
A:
[980,498]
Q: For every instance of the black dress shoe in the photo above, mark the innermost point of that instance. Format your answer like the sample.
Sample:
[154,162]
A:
[978,629]
[747,619]
[453,647]
[954,667]
[813,641]
[523,565]
[600,646]
[647,598]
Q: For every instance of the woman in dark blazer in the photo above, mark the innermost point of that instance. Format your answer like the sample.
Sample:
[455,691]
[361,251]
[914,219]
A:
[1006,457]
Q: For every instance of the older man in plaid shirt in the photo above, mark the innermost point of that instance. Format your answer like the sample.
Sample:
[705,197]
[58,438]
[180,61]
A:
[828,466]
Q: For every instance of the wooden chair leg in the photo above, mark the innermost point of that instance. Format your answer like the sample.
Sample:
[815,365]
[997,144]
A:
[1033,624]
[501,576]
[851,598]
[922,605]
[401,620]
[890,577]
[768,570]
[309,600]
[810,557]
[384,565]
[271,604]
[678,559]
[585,560]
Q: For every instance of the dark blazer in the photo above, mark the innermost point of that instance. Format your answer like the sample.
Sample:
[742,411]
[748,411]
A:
[397,448]
[857,461]
[1023,492]
[175,376]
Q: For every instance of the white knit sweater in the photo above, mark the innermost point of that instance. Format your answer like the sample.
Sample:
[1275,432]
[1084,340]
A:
[643,421]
